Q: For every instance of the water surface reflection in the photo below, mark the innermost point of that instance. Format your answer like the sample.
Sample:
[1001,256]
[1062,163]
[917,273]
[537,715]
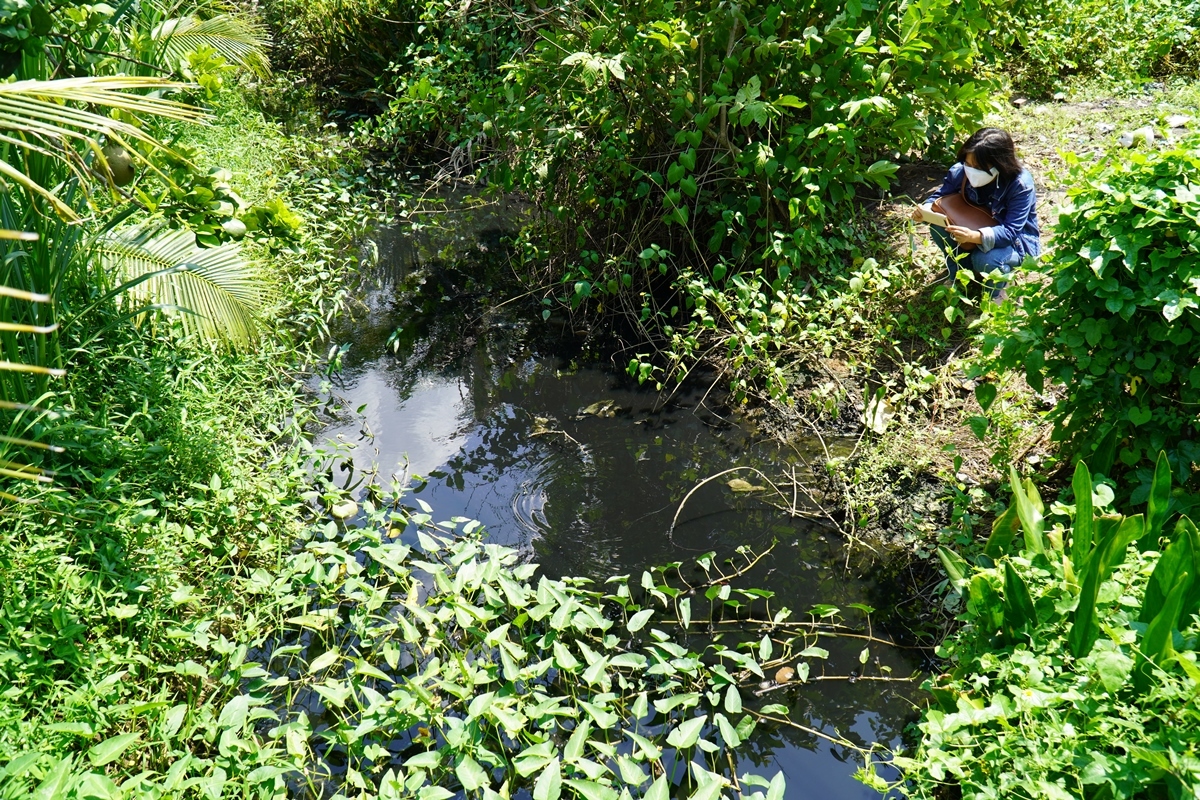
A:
[569,462]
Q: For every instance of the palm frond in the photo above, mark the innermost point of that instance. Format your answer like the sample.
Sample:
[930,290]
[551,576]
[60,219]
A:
[19,424]
[214,288]
[46,117]
[239,41]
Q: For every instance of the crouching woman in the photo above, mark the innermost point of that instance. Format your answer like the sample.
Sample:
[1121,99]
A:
[989,175]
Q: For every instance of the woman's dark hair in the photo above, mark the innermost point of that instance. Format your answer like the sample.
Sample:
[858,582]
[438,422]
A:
[992,147]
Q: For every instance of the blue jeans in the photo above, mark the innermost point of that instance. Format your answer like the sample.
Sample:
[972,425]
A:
[998,258]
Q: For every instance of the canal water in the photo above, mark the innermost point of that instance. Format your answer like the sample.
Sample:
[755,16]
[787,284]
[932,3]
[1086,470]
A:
[501,416]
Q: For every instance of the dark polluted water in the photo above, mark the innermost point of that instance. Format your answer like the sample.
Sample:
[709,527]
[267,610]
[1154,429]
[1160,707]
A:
[498,417]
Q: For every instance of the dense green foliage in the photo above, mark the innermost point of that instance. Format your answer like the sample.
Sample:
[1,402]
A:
[747,128]
[194,658]
[699,166]
[1115,321]
[1052,41]
[1075,674]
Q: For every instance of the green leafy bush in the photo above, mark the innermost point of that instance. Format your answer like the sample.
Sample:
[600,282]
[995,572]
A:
[740,130]
[1051,40]
[1116,317]
[1075,674]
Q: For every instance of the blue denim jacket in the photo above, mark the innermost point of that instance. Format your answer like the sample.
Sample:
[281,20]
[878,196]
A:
[1012,203]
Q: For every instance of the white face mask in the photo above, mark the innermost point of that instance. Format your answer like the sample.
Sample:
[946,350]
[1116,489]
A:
[979,177]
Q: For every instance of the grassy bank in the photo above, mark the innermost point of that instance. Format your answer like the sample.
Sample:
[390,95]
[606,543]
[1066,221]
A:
[132,586]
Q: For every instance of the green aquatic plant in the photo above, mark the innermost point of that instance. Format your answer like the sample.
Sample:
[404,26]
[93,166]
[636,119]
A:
[432,663]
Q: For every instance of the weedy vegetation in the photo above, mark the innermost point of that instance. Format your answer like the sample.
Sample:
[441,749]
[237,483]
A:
[1074,674]
[179,614]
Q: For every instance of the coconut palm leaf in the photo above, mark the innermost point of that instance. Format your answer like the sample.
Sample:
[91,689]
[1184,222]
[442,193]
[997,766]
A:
[10,441]
[239,41]
[214,289]
[48,117]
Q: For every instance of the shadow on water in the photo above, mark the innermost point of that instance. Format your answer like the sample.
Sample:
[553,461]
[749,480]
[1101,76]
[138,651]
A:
[499,416]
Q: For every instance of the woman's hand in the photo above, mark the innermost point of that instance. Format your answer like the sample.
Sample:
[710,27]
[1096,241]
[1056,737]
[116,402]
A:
[964,235]
[916,213]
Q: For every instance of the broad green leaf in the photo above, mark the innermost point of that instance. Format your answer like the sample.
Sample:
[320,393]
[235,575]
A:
[728,734]
[685,611]
[631,773]
[173,719]
[574,749]
[1004,530]
[111,749]
[1018,605]
[985,395]
[629,661]
[778,787]
[764,648]
[591,790]
[646,749]
[639,620]
[659,790]
[1105,556]
[1031,518]
[710,790]
[1158,504]
[536,758]
[1113,668]
[472,776]
[688,732]
[1156,646]
[326,659]
[665,705]
[597,674]
[1176,559]
[1081,531]
[57,779]
[563,658]
[956,567]
[234,714]
[733,699]
[94,786]
[427,760]
[641,706]
[549,783]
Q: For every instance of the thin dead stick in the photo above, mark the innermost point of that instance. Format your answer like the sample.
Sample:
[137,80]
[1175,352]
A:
[813,731]
[678,511]
[792,684]
[563,433]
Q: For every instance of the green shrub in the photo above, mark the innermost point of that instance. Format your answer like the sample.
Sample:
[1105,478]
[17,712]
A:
[342,46]
[740,130]
[1075,674]
[1115,321]
[1055,39]
[702,163]
[743,130]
